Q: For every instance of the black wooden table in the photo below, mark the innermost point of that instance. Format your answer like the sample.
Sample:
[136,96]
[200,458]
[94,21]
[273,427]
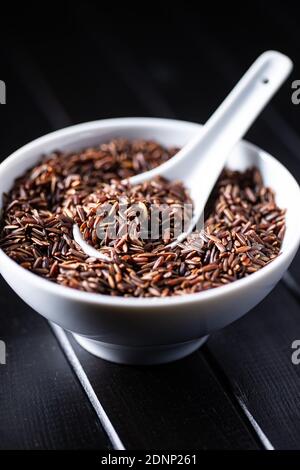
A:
[241,390]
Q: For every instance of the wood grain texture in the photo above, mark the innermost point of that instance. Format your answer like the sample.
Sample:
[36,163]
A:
[178,406]
[264,376]
[42,405]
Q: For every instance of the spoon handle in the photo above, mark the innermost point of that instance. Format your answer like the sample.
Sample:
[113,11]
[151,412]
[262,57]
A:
[203,158]
[231,120]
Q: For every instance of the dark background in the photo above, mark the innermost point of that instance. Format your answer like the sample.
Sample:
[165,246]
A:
[75,62]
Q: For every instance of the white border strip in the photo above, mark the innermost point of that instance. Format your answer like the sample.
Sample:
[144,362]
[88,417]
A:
[86,385]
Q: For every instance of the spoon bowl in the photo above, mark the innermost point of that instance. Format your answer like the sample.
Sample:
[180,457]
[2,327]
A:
[149,330]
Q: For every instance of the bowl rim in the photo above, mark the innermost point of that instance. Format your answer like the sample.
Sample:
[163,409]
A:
[138,302]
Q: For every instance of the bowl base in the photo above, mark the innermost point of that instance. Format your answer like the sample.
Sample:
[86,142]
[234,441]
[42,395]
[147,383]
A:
[139,355]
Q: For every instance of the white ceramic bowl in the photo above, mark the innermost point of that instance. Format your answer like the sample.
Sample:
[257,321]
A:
[155,330]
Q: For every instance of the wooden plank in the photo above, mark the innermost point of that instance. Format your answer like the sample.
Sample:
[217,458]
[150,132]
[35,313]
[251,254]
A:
[42,405]
[272,378]
[178,406]
[263,377]
[255,353]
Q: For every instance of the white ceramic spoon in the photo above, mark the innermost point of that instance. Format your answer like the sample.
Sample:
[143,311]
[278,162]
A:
[199,163]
